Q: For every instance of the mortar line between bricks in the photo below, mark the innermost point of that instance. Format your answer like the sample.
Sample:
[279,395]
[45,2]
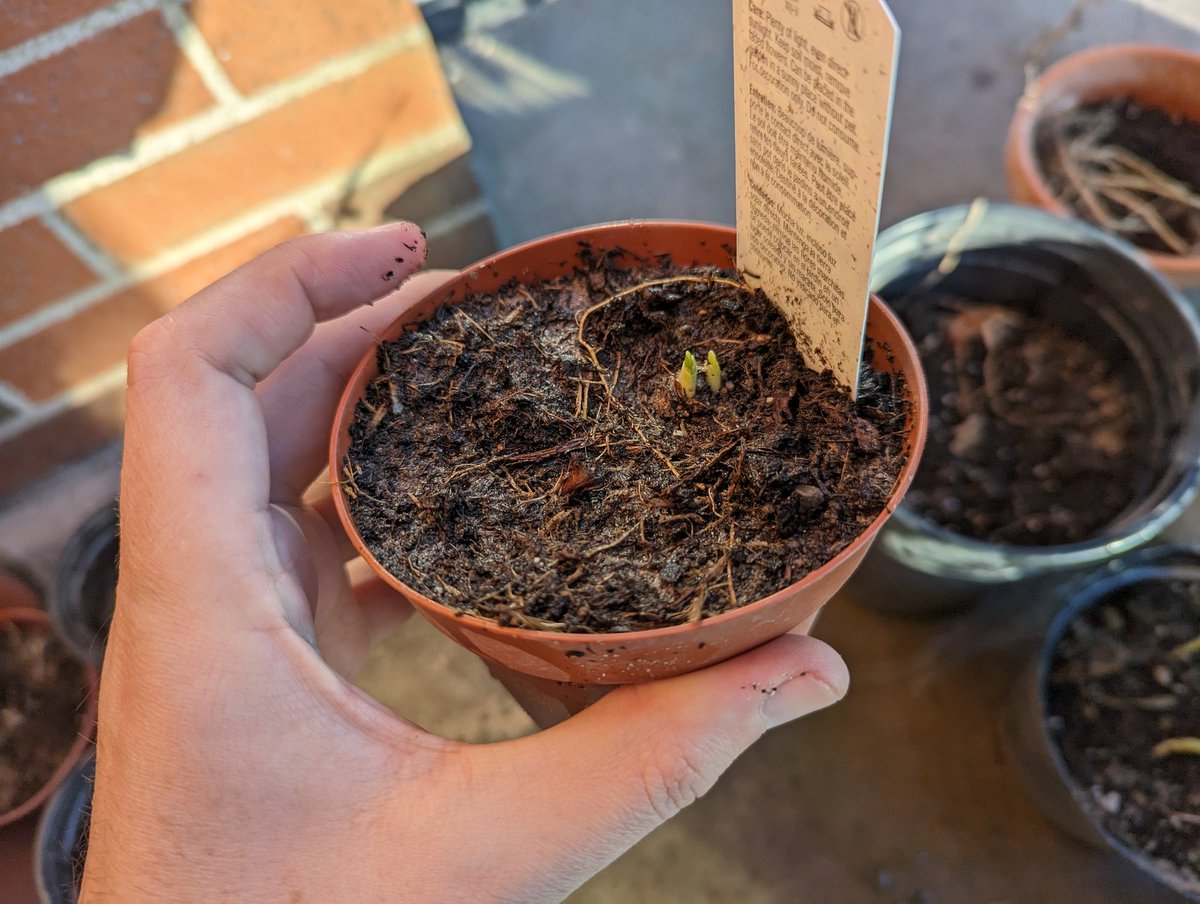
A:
[65,231]
[79,394]
[200,54]
[319,220]
[57,40]
[456,218]
[304,203]
[63,309]
[144,152]
[13,398]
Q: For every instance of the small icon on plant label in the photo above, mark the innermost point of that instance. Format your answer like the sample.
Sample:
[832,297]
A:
[852,20]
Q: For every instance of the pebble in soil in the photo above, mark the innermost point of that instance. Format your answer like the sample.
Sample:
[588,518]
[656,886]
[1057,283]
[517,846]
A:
[1123,680]
[499,470]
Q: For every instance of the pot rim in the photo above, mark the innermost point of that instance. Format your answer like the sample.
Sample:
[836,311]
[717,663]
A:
[1031,106]
[65,602]
[1150,565]
[727,234]
[1034,559]
[87,721]
[68,801]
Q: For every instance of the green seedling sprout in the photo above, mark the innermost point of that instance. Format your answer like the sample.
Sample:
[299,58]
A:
[687,375]
[712,372]
[1176,746]
[1186,650]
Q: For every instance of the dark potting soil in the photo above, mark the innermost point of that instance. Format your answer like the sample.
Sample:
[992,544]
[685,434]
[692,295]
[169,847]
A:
[1122,682]
[42,688]
[500,470]
[1037,436]
[1130,169]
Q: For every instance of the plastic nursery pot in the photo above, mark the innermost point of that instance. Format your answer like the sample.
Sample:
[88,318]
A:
[60,845]
[1007,253]
[566,671]
[37,620]
[85,585]
[1153,76]
[1035,753]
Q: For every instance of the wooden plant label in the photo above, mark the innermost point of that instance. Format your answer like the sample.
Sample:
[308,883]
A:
[813,86]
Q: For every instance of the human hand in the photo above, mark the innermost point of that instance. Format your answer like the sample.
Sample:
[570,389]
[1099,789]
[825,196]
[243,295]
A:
[236,762]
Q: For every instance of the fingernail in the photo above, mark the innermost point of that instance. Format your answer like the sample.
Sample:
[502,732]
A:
[805,693]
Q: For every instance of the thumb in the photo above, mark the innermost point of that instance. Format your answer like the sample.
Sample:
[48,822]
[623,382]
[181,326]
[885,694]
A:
[609,775]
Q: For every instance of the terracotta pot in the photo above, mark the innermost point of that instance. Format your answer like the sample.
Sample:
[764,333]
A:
[1154,76]
[40,621]
[566,667]
[18,589]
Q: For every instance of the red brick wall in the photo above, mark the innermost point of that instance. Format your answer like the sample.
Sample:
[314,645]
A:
[148,146]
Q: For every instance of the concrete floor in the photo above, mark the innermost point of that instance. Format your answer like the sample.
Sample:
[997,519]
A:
[566,135]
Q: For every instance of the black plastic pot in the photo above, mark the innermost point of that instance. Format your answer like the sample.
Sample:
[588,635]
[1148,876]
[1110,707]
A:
[1101,288]
[60,845]
[85,585]
[1033,750]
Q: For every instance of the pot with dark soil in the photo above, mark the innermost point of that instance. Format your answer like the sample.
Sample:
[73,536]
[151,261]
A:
[597,459]
[1063,421]
[60,846]
[47,711]
[85,585]
[1112,135]
[1105,726]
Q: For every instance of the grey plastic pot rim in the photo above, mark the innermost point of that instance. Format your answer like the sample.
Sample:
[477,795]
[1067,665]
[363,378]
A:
[60,822]
[930,548]
[927,547]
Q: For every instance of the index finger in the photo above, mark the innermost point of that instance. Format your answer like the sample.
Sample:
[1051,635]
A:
[247,323]
[196,456]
